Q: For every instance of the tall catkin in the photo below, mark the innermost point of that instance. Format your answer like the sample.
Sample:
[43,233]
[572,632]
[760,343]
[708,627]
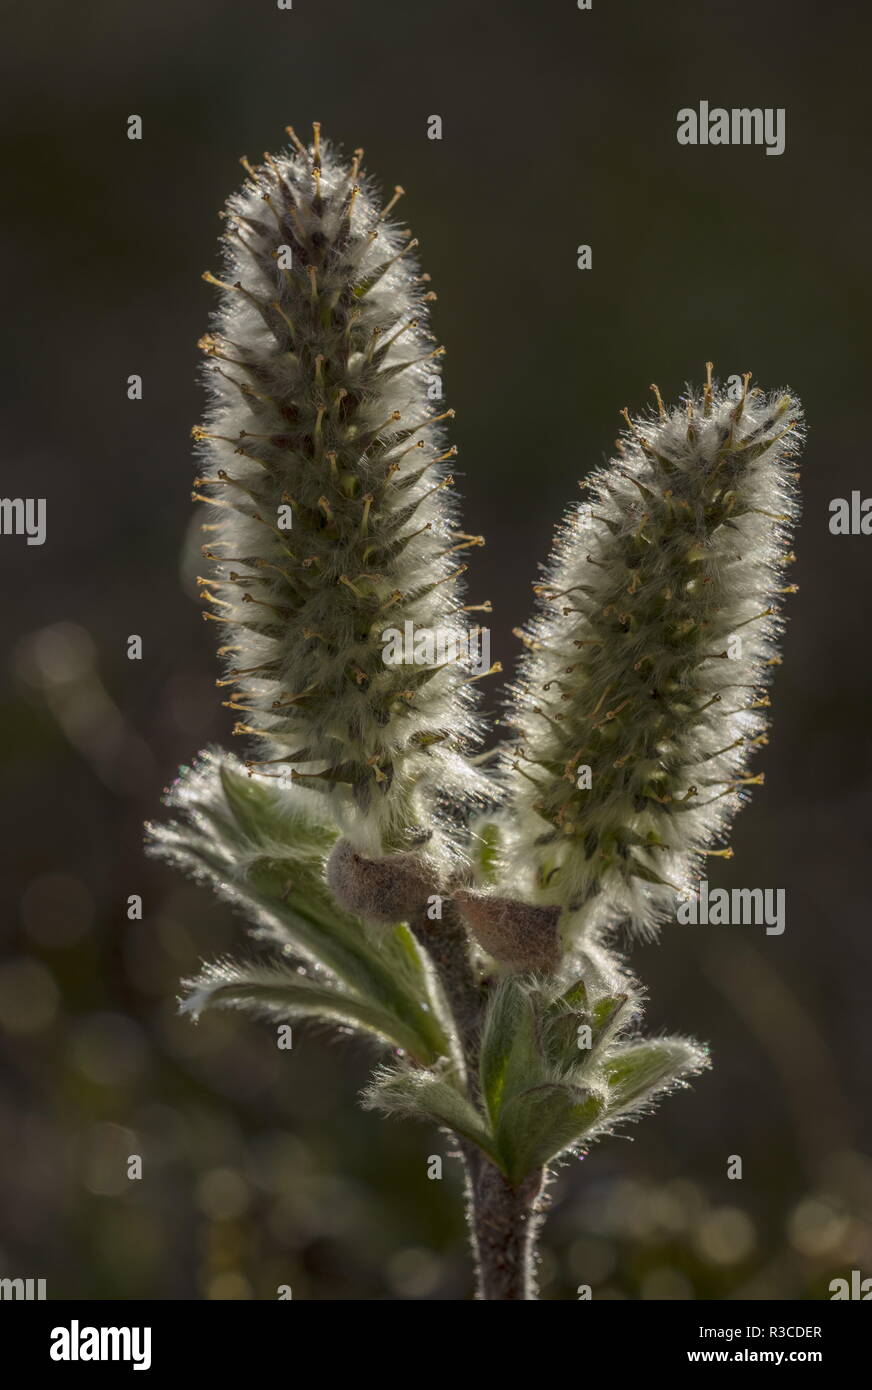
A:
[324,462]
[641,695]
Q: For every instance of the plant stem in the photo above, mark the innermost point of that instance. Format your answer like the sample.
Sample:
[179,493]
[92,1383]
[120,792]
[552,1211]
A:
[502,1219]
[447,945]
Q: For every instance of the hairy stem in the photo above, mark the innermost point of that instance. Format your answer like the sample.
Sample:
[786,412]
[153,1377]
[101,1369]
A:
[504,1221]
[447,945]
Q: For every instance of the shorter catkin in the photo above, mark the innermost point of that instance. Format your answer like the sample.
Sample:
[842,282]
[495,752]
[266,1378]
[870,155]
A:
[640,697]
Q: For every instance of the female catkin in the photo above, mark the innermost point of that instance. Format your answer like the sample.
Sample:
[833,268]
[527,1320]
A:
[641,695]
[323,462]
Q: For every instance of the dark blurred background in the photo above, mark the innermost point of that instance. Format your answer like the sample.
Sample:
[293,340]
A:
[559,129]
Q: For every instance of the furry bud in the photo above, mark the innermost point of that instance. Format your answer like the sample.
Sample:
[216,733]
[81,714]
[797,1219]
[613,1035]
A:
[519,935]
[387,889]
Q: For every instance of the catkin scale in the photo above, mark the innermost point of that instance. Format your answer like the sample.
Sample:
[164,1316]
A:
[323,369]
[633,670]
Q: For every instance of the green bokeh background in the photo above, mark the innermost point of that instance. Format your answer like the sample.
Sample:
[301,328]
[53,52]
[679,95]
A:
[559,129]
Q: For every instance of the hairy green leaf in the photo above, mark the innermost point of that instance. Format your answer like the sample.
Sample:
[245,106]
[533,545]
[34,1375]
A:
[273,869]
[428,1096]
[264,813]
[539,1123]
[639,1071]
[512,1056]
[277,992]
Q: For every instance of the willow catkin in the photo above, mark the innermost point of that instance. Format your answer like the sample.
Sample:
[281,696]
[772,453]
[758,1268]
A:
[641,695]
[323,459]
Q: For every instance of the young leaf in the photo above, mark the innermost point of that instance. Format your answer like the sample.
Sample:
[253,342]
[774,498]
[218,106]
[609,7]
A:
[638,1072]
[278,993]
[266,811]
[508,1023]
[537,1124]
[278,882]
[512,1055]
[428,1096]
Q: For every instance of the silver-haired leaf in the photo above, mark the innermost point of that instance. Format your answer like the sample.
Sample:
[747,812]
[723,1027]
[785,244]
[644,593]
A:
[538,1124]
[638,1072]
[273,871]
[428,1096]
[276,992]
